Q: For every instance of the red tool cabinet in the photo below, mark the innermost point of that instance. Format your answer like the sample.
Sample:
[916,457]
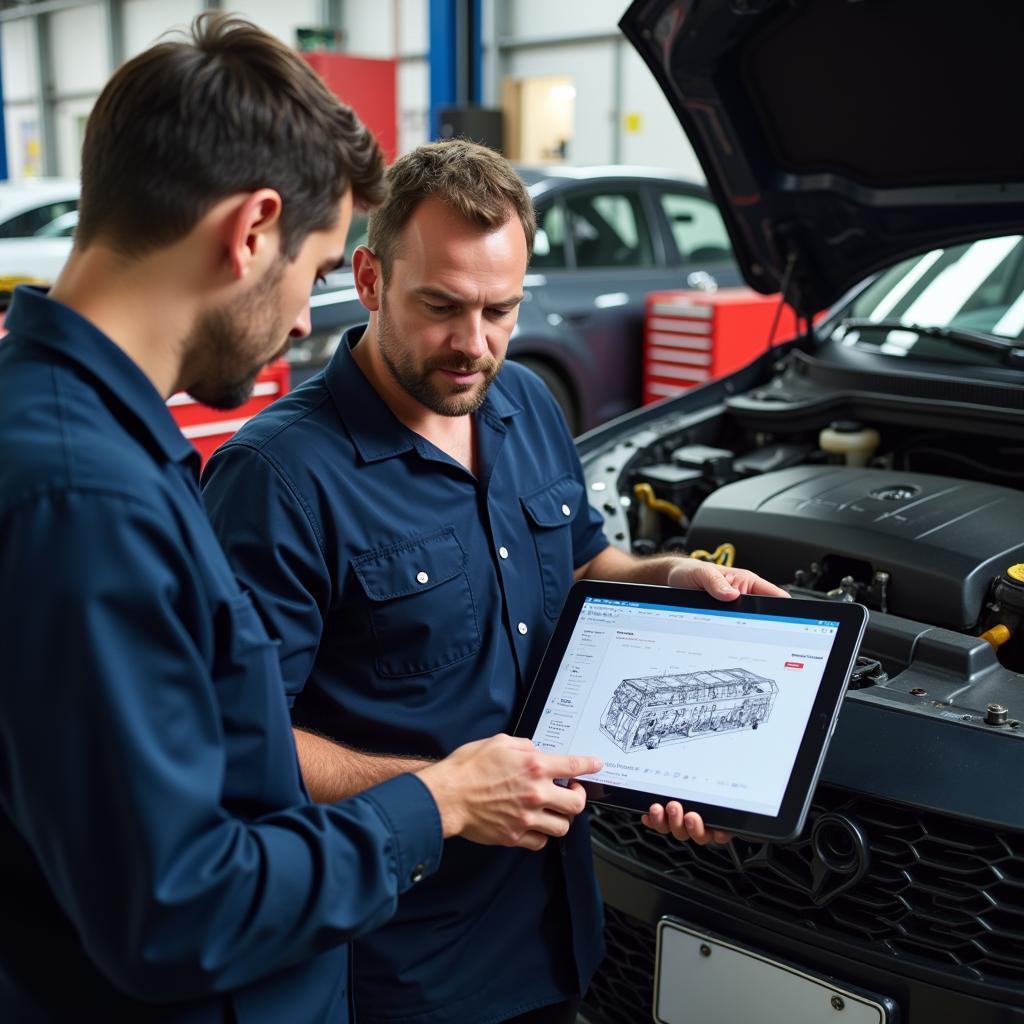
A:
[691,337]
[208,428]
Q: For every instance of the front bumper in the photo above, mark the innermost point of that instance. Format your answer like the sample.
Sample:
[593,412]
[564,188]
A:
[639,894]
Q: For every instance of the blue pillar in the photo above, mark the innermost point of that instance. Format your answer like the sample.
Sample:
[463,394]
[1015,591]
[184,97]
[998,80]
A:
[456,56]
[476,52]
[3,124]
[443,59]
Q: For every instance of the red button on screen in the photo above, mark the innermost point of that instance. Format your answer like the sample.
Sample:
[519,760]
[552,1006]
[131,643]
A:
[794,664]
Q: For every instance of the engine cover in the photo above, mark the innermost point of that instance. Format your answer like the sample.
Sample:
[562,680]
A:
[941,540]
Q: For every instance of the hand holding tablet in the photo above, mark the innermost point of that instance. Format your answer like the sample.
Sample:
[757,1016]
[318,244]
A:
[724,707]
[674,820]
[724,582]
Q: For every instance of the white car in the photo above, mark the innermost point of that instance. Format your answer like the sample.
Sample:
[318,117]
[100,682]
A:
[37,221]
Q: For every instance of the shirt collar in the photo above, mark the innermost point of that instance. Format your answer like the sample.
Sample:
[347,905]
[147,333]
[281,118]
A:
[375,430]
[33,315]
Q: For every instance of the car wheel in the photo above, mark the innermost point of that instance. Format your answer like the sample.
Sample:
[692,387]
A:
[558,387]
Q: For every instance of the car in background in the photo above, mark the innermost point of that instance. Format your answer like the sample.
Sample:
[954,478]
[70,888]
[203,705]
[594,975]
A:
[37,221]
[876,457]
[606,237]
[29,207]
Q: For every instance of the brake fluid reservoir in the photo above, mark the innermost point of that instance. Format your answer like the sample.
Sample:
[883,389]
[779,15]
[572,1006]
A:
[855,442]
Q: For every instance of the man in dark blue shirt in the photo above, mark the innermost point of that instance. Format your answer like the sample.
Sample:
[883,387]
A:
[408,523]
[162,860]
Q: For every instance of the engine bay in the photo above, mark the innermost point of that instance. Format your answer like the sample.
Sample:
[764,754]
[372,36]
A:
[903,502]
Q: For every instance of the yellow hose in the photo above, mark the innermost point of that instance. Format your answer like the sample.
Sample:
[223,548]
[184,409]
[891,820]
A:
[645,493]
[724,554]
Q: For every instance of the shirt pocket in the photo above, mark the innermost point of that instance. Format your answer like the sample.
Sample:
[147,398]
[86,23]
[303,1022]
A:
[421,606]
[550,511]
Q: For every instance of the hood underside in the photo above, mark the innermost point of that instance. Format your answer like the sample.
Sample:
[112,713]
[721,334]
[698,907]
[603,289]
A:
[841,135]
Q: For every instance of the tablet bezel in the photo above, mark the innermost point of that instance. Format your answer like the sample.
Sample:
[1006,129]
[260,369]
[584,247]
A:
[789,822]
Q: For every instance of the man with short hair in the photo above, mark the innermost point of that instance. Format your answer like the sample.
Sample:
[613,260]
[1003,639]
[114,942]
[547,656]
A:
[162,860]
[408,522]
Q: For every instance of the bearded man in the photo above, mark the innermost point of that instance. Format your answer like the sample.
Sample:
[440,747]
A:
[408,522]
[162,860]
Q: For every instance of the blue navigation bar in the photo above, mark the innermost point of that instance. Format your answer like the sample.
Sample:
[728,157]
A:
[709,611]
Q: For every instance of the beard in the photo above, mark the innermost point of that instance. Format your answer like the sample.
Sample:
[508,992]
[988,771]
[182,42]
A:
[421,381]
[233,344]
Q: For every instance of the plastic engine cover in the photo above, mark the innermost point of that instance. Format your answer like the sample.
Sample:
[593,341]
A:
[941,540]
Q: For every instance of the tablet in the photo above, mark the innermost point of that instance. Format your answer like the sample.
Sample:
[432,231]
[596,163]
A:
[727,707]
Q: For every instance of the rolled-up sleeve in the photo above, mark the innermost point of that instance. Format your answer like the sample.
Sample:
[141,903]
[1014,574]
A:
[113,765]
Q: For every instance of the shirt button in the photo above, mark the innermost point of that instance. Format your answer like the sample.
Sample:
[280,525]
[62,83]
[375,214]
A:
[523,628]
[503,551]
[417,874]
[566,511]
[422,577]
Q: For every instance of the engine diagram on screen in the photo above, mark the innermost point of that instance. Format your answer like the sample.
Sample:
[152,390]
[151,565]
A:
[652,710]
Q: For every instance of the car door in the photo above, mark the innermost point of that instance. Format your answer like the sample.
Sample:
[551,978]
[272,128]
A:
[598,257]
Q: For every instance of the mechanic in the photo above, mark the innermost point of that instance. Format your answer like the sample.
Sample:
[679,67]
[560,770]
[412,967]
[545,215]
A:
[408,522]
[162,860]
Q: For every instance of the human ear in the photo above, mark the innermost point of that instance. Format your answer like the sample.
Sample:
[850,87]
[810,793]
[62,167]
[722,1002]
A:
[368,276]
[253,230]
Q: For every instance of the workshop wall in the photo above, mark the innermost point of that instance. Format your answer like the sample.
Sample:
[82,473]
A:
[619,115]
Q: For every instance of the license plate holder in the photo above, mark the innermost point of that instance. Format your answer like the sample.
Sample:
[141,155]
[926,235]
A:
[703,977]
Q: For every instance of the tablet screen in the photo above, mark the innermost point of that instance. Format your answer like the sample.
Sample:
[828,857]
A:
[696,704]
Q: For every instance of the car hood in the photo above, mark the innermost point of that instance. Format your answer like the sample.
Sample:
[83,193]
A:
[841,135]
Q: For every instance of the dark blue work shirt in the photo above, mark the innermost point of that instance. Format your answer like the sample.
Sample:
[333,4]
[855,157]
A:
[412,602]
[161,860]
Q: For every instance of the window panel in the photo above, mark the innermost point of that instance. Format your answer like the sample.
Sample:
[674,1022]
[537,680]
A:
[549,242]
[34,222]
[609,230]
[697,227]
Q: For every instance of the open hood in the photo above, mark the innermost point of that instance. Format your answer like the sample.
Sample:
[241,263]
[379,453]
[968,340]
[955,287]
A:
[841,135]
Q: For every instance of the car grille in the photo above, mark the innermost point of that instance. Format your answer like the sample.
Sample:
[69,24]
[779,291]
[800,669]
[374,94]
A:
[622,990]
[938,890]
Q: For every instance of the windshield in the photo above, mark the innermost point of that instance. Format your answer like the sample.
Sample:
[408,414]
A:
[977,287]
